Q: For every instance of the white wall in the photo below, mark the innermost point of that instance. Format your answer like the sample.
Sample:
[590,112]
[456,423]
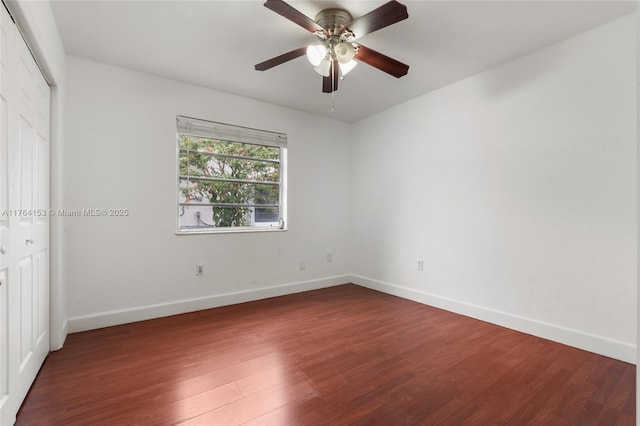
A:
[517,188]
[37,25]
[120,153]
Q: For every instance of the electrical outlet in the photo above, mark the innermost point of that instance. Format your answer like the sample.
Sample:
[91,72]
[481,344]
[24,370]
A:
[420,265]
[199,270]
[302,265]
[329,257]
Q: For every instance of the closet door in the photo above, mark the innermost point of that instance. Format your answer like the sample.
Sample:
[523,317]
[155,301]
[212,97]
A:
[6,28]
[24,220]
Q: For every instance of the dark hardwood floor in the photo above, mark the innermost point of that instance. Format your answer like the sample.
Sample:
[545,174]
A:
[342,355]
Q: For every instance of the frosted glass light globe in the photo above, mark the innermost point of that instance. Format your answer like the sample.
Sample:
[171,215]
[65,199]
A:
[316,53]
[344,52]
[345,68]
[324,68]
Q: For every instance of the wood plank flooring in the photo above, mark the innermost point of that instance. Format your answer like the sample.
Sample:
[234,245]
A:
[341,355]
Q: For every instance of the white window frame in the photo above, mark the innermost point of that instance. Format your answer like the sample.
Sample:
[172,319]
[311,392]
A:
[230,133]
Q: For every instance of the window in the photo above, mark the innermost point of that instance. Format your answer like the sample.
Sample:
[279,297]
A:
[230,178]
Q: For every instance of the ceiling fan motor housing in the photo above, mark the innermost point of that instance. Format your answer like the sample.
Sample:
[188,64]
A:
[336,36]
[333,20]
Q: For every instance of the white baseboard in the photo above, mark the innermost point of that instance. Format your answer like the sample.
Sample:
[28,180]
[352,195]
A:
[58,336]
[124,316]
[63,335]
[598,344]
[593,343]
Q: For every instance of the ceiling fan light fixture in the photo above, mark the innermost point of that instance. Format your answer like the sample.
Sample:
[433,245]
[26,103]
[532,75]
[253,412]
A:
[344,52]
[316,53]
[345,68]
[324,68]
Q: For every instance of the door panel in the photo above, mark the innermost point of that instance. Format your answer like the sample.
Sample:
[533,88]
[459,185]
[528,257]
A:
[31,104]
[6,402]
[4,359]
[26,169]
[4,169]
[26,311]
[26,77]
[24,223]
[41,299]
[42,182]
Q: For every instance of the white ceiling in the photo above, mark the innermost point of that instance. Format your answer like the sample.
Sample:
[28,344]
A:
[216,44]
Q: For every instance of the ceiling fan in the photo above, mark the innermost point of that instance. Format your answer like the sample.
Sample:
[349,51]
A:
[337,53]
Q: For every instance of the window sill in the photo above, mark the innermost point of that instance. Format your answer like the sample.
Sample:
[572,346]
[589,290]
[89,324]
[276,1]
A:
[228,231]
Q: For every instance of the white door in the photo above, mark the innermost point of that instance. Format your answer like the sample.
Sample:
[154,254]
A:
[6,27]
[24,221]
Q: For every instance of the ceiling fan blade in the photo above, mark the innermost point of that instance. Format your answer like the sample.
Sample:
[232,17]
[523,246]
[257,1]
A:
[333,77]
[292,14]
[326,85]
[270,63]
[387,14]
[380,61]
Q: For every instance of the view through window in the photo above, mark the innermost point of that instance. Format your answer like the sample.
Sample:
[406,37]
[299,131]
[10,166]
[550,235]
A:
[229,177]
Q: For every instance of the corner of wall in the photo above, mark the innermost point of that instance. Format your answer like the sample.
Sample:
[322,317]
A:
[597,344]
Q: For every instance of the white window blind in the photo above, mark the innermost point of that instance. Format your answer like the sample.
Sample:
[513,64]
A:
[228,132]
